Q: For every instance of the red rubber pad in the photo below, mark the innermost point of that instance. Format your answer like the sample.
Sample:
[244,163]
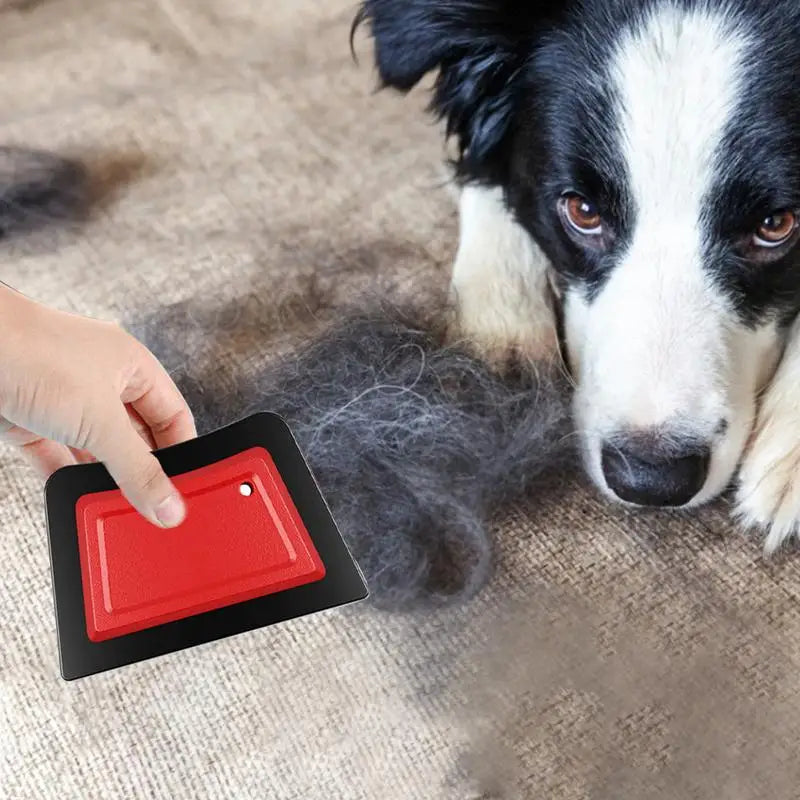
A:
[242,538]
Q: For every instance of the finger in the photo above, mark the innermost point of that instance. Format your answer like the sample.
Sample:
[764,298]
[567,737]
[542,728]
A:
[13,434]
[159,403]
[47,456]
[82,456]
[136,470]
[140,427]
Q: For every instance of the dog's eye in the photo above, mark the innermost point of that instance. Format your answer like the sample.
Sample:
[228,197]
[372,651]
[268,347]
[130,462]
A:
[581,214]
[776,229]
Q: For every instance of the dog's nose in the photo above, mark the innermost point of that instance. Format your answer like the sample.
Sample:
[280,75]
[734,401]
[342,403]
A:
[653,470]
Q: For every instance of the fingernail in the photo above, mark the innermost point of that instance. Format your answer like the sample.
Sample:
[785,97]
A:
[170,512]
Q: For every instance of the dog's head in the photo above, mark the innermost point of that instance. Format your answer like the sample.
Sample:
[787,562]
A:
[652,150]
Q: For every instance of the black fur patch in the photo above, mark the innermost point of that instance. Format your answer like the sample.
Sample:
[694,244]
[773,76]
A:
[478,49]
[38,188]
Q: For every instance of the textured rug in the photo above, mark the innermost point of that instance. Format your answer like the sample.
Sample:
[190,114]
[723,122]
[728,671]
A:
[236,151]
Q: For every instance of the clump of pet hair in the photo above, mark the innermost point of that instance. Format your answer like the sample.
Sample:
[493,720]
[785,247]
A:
[38,188]
[415,443]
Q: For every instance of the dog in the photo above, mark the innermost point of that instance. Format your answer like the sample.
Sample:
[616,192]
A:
[629,177]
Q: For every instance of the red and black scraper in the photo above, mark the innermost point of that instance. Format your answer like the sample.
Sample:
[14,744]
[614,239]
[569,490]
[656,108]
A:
[258,546]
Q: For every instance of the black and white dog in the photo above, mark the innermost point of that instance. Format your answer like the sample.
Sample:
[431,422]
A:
[634,164]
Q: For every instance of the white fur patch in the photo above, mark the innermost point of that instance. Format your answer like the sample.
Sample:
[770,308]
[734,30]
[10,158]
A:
[678,78]
[659,345]
[500,281]
[768,494]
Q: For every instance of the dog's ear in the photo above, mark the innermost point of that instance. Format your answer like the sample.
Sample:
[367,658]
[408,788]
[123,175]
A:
[478,47]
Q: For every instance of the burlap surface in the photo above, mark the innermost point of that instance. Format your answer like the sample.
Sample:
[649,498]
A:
[236,148]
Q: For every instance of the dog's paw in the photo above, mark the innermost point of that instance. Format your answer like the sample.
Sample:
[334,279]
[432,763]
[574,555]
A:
[501,289]
[502,329]
[768,491]
[501,345]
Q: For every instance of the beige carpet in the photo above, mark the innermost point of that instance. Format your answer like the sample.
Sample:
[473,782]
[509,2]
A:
[237,148]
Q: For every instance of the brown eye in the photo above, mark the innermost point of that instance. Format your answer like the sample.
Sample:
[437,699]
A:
[776,229]
[582,215]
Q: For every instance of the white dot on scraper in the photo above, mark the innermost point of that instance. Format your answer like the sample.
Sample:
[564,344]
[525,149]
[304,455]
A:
[246,490]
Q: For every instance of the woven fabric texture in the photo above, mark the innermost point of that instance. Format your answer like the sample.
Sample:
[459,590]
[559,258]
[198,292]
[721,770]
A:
[237,152]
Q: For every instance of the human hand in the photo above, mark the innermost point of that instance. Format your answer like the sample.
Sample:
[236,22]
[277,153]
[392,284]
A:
[75,389]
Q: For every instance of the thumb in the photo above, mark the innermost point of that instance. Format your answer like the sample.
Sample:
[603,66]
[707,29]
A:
[138,473]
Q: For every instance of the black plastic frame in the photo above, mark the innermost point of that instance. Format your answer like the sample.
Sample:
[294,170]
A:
[343,582]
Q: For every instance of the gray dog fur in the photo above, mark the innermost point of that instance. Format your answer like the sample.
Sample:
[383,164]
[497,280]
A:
[416,444]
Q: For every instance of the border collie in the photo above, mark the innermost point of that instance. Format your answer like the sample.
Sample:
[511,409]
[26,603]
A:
[631,168]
